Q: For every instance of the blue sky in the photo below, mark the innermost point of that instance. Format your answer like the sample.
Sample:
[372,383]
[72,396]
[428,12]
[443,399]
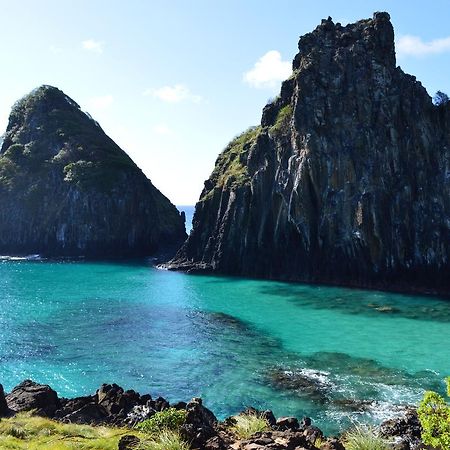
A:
[172,82]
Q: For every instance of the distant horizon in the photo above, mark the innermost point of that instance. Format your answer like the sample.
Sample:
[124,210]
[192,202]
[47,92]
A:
[171,85]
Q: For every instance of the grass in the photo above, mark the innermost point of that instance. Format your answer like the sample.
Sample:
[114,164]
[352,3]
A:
[25,431]
[283,118]
[364,438]
[246,425]
[166,440]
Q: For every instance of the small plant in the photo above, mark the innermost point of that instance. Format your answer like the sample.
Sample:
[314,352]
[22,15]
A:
[434,416]
[246,425]
[441,98]
[364,438]
[166,440]
[168,420]
[17,432]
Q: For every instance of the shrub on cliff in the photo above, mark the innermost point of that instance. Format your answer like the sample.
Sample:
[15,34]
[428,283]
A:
[168,420]
[434,416]
[441,98]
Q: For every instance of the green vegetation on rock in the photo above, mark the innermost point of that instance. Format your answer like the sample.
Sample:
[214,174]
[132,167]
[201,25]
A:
[283,118]
[434,416]
[170,419]
[230,168]
[62,136]
[246,425]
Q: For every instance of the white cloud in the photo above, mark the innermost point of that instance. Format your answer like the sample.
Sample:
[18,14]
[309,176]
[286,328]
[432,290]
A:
[93,46]
[161,128]
[268,71]
[174,94]
[99,103]
[414,46]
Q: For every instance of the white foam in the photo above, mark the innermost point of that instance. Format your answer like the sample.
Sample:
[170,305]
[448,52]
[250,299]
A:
[21,258]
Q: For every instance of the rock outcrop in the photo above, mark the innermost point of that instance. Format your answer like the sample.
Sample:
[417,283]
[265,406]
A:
[346,180]
[29,395]
[66,189]
[4,410]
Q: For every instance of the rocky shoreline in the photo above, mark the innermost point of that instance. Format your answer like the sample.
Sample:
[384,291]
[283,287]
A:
[111,405]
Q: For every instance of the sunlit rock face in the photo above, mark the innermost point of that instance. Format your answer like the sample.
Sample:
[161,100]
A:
[66,189]
[346,180]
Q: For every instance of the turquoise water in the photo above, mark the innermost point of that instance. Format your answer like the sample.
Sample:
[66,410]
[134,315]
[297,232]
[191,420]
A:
[298,349]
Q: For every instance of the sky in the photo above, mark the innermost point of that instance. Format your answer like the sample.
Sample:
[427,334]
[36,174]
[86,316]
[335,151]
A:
[172,82]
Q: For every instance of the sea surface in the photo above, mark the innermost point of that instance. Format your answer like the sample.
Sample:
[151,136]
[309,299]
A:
[337,355]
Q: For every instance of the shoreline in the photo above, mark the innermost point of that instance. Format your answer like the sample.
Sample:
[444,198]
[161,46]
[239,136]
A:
[157,261]
[112,406]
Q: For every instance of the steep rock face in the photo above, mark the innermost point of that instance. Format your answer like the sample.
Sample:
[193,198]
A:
[346,181]
[67,189]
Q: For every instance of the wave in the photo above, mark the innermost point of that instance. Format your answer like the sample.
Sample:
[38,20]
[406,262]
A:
[21,258]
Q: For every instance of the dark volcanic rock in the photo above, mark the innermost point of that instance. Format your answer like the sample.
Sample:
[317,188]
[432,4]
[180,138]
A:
[306,384]
[92,413]
[66,189]
[406,431]
[287,423]
[29,395]
[129,442]
[345,181]
[4,410]
[200,424]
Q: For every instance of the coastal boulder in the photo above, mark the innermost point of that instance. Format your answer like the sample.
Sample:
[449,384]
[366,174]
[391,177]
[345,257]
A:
[334,185]
[67,189]
[29,395]
[4,410]
[406,431]
[200,423]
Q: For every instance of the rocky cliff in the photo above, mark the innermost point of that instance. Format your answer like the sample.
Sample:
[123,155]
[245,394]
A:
[346,180]
[67,189]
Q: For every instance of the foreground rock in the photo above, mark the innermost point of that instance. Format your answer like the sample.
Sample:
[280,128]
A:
[66,189]
[334,186]
[112,405]
[4,410]
[29,395]
[405,431]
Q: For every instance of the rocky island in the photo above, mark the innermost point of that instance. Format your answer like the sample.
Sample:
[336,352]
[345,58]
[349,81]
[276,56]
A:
[66,189]
[346,180]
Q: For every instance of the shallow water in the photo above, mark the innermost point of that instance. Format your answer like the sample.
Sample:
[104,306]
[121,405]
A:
[304,350]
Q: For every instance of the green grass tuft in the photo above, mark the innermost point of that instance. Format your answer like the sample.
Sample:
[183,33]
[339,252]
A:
[166,440]
[246,425]
[364,438]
